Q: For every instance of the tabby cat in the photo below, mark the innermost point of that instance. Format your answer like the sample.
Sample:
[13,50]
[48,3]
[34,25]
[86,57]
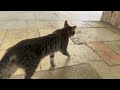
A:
[27,54]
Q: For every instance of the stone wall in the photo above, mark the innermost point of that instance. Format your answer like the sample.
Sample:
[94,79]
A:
[112,17]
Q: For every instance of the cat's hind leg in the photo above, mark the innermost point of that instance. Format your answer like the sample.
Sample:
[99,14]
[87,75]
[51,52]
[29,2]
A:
[65,52]
[8,67]
[29,72]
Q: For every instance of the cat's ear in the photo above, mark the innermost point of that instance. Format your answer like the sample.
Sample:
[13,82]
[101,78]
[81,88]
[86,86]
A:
[66,24]
[74,27]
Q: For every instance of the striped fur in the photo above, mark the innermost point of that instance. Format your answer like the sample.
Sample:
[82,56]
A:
[28,53]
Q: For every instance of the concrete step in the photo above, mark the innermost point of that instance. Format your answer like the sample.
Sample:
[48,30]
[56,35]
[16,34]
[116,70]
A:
[80,71]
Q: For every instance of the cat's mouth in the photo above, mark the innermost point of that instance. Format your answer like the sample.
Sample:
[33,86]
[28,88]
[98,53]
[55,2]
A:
[73,33]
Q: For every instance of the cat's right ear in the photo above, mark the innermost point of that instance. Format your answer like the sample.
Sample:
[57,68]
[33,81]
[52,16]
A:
[74,27]
[66,24]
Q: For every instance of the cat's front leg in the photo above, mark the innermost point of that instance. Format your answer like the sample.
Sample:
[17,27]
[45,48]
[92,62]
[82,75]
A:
[52,59]
[66,53]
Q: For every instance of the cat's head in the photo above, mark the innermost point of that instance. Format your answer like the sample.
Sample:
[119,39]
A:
[70,29]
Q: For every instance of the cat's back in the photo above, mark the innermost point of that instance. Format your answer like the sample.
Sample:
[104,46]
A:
[36,41]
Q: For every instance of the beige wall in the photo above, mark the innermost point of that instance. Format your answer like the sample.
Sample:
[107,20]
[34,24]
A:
[112,17]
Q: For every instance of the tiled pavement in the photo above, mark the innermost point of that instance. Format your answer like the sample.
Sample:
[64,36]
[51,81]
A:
[95,44]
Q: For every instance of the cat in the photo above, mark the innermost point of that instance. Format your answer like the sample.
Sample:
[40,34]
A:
[28,53]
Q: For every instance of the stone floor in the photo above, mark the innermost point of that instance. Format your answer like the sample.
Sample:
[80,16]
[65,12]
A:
[94,49]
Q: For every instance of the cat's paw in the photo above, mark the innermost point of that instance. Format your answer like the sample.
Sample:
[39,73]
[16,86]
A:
[68,56]
[53,64]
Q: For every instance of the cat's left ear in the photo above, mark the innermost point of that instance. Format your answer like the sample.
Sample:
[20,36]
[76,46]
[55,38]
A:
[74,27]
[66,24]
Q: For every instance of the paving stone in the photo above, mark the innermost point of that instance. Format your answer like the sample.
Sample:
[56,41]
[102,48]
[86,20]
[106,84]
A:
[83,18]
[58,24]
[2,35]
[79,54]
[108,55]
[98,24]
[42,16]
[32,33]
[115,30]
[85,12]
[14,36]
[116,71]
[62,15]
[17,15]
[2,53]
[103,69]
[32,24]
[85,35]
[19,72]
[45,25]
[80,24]
[114,45]
[13,25]
[44,32]
[81,71]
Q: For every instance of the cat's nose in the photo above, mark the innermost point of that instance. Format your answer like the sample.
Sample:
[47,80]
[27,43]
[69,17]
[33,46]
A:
[73,33]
